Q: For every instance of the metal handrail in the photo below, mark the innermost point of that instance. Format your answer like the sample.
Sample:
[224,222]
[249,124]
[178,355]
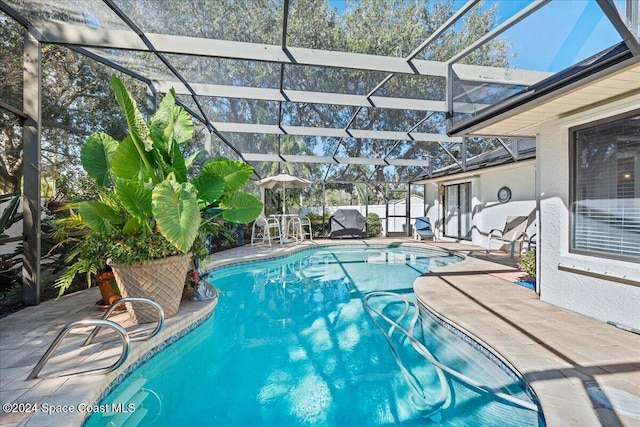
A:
[89,322]
[115,304]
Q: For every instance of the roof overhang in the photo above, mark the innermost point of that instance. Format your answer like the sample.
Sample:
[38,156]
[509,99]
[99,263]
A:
[584,86]
[476,172]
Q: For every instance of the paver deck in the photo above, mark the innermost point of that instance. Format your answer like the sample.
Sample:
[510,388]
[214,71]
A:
[560,353]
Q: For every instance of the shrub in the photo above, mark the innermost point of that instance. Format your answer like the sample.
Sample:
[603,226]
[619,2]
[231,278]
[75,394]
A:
[318,223]
[528,263]
[374,225]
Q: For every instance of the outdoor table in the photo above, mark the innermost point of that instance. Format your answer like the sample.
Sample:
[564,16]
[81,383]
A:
[284,222]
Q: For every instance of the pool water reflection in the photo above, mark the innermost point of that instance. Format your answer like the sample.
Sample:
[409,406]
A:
[290,343]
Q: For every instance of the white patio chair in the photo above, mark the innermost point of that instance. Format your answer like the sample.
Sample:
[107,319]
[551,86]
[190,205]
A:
[294,229]
[514,231]
[305,224]
[265,230]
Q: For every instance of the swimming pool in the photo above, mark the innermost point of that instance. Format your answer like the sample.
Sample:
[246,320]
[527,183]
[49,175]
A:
[294,341]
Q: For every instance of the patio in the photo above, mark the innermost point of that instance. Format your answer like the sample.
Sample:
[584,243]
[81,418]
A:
[560,353]
[463,112]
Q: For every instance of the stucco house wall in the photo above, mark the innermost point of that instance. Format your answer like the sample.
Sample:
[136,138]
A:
[567,279]
[487,212]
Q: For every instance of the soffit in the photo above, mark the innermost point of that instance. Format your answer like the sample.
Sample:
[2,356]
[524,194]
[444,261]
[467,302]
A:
[527,122]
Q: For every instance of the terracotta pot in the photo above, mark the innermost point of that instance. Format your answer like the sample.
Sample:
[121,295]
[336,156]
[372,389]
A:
[108,287]
[161,280]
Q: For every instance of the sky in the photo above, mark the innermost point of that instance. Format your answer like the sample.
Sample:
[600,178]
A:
[560,34]
[557,36]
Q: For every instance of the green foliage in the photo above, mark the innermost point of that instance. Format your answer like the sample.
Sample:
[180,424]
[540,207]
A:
[96,154]
[175,207]
[147,174]
[147,208]
[87,254]
[134,248]
[318,223]
[374,225]
[528,263]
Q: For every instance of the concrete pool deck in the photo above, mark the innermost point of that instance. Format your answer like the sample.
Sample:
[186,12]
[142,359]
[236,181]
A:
[560,353]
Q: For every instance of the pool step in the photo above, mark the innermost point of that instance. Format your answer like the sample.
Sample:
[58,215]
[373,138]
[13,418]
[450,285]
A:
[126,408]
[128,393]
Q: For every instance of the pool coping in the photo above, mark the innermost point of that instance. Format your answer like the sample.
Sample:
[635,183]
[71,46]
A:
[559,353]
[83,391]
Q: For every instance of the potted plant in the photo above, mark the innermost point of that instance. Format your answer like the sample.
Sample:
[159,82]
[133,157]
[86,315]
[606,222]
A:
[151,209]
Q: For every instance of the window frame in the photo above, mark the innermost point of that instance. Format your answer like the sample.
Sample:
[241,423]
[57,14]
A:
[573,155]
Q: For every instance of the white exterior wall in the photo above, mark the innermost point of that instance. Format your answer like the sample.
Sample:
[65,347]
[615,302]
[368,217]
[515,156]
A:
[487,212]
[607,300]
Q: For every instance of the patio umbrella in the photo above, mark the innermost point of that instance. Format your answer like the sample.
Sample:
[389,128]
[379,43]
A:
[284,181]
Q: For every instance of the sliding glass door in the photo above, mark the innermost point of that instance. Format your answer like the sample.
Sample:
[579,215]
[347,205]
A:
[457,210]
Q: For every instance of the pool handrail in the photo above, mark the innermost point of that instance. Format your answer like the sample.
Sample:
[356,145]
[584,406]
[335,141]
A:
[117,303]
[80,323]
[422,350]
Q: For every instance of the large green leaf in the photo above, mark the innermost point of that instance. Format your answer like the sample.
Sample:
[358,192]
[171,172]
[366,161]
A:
[175,207]
[138,130]
[210,187]
[96,154]
[171,124]
[241,207]
[137,127]
[132,226]
[178,165]
[135,198]
[99,217]
[127,162]
[235,173]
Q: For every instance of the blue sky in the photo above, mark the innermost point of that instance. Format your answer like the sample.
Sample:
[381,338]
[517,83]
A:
[559,35]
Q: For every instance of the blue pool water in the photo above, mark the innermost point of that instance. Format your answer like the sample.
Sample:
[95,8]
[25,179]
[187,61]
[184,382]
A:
[292,343]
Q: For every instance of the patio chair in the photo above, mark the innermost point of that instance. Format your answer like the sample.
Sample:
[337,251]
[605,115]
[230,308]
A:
[265,230]
[294,229]
[514,231]
[422,229]
[305,223]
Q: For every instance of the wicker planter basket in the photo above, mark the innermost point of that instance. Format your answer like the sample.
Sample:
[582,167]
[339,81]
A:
[161,280]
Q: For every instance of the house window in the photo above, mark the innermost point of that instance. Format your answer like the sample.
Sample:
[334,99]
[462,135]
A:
[606,188]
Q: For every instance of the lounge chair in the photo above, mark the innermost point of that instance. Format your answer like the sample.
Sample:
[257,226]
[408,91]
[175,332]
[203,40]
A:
[422,229]
[514,231]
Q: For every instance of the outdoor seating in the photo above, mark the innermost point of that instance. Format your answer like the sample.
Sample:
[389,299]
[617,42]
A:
[422,229]
[294,229]
[514,231]
[265,230]
[305,224]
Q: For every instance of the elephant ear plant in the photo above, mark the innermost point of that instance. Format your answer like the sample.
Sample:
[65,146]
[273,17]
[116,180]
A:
[151,205]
